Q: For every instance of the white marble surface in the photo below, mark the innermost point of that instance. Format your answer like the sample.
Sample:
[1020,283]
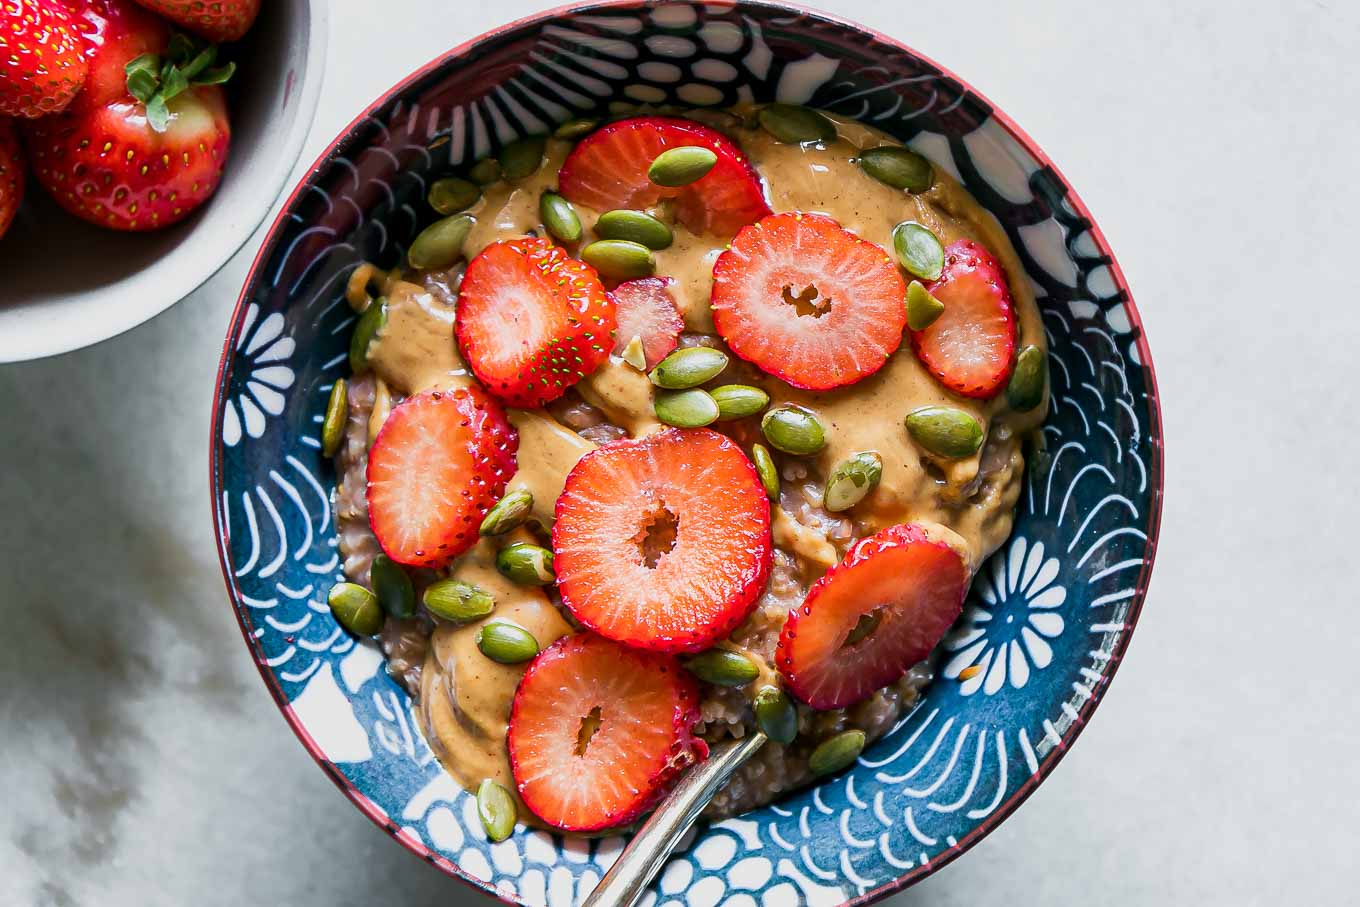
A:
[143,762]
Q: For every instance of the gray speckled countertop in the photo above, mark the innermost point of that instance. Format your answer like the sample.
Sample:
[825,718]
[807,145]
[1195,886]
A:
[144,764]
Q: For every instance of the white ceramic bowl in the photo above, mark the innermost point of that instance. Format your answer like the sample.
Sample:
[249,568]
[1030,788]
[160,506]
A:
[66,284]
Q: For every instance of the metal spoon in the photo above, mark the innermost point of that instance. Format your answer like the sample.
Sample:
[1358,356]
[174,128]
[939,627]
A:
[625,882]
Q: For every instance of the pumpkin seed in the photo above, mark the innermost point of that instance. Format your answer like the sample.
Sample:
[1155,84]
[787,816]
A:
[737,401]
[723,667]
[355,608]
[919,250]
[485,172]
[765,468]
[451,195]
[922,308]
[496,809]
[506,643]
[634,354]
[634,226]
[575,129]
[1026,388]
[681,166]
[393,587]
[897,167]
[945,431]
[370,324]
[688,368]
[836,753]
[509,513]
[441,243]
[793,430]
[851,480]
[686,409]
[333,426]
[526,564]
[619,258]
[795,125]
[559,217]
[522,158]
[775,714]
[455,600]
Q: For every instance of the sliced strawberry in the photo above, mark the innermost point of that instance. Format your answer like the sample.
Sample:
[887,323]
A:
[12,174]
[970,347]
[646,310]
[42,62]
[608,170]
[907,586]
[441,460]
[664,542]
[598,732]
[808,302]
[532,321]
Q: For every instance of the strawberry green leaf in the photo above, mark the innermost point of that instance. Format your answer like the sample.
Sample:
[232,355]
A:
[157,114]
[174,84]
[216,76]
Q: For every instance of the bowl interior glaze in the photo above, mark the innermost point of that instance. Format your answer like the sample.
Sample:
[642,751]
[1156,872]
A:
[1049,616]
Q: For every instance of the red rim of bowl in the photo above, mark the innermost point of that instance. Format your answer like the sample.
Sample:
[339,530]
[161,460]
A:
[1154,519]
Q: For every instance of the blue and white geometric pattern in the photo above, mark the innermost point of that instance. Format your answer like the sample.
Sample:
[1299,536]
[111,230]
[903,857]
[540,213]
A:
[1049,616]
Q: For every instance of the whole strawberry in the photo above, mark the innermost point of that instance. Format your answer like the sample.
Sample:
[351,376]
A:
[41,61]
[223,20]
[11,174]
[144,144]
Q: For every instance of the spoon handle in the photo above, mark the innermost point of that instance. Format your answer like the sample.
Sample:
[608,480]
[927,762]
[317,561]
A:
[628,878]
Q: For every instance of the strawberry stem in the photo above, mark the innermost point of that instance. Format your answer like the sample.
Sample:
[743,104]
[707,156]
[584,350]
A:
[155,81]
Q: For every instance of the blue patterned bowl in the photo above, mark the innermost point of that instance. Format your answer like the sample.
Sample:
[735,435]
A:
[1050,615]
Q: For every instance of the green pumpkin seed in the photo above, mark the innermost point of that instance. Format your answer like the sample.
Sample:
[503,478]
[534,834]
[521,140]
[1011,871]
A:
[520,159]
[509,513]
[945,431]
[836,753]
[333,426]
[496,809]
[451,195]
[765,468]
[559,217]
[457,601]
[723,667]
[619,258]
[370,324]
[1026,388]
[485,172]
[688,368]
[634,354]
[634,226]
[794,125]
[686,409]
[919,250]
[575,129]
[681,166]
[922,308]
[526,564]
[393,587]
[441,243]
[775,714]
[737,401]
[852,480]
[897,167]
[793,430]
[355,608]
[506,643]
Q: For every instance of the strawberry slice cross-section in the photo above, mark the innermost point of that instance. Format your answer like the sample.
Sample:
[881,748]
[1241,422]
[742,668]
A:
[970,348]
[532,321]
[871,617]
[646,310]
[809,302]
[663,543]
[608,170]
[440,462]
[598,732]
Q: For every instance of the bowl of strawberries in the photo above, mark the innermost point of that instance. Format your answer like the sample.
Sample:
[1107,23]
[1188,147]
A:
[141,143]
